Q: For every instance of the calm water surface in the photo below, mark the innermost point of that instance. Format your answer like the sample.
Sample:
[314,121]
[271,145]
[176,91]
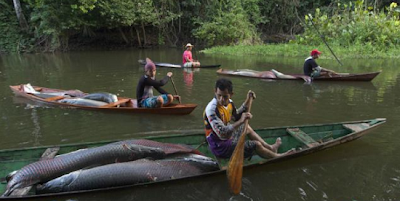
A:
[366,169]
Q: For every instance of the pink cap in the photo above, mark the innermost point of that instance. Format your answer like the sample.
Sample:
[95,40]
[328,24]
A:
[149,65]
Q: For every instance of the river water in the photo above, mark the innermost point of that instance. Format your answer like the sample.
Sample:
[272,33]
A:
[365,169]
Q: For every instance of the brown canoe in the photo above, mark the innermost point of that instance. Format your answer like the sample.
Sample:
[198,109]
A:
[122,105]
[272,75]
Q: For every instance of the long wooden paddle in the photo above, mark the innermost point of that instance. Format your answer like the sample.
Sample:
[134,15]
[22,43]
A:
[176,91]
[235,166]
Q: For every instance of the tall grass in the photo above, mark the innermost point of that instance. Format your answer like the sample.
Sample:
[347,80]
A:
[294,50]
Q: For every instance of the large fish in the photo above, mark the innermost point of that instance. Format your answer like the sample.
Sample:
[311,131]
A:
[83,102]
[102,96]
[27,88]
[128,173]
[67,94]
[123,151]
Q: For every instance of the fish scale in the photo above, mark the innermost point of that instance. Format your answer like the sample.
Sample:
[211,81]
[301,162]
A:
[43,171]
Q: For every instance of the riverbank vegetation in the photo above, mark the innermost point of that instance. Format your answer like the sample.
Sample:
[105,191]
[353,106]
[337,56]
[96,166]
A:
[353,30]
[246,26]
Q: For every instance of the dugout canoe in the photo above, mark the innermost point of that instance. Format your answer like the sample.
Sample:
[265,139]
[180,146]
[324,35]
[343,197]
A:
[305,139]
[169,65]
[123,104]
[270,75]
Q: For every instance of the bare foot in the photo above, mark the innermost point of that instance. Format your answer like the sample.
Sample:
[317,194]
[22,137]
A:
[291,151]
[275,146]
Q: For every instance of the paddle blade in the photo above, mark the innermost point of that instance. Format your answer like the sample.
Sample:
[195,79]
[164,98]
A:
[235,169]
[235,166]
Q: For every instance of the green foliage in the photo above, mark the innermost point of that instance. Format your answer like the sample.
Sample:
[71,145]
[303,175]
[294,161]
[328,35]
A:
[303,51]
[119,13]
[228,25]
[53,23]
[262,50]
[277,14]
[253,9]
[10,39]
[355,24]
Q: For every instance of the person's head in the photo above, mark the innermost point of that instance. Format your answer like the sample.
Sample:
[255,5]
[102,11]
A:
[315,54]
[189,46]
[223,91]
[150,68]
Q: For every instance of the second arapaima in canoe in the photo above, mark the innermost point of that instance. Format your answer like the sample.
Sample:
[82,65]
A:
[81,100]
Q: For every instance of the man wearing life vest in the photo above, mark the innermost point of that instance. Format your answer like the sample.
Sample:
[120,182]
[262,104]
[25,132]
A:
[224,125]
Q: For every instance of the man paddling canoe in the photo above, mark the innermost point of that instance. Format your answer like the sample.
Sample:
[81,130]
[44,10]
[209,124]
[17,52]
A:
[312,69]
[222,135]
[144,90]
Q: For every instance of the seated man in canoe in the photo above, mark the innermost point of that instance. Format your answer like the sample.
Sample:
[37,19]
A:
[187,59]
[312,69]
[224,125]
[144,90]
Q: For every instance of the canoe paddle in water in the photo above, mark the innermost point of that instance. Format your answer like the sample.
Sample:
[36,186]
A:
[234,171]
[176,91]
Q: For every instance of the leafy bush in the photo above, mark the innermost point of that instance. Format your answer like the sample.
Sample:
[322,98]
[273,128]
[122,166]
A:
[354,24]
[10,39]
[229,25]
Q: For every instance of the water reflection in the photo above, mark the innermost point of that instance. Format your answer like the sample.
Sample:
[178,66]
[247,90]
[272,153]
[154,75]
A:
[188,77]
[36,127]
[311,94]
[29,104]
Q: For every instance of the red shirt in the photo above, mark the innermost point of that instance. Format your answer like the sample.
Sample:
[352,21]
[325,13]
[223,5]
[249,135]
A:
[187,54]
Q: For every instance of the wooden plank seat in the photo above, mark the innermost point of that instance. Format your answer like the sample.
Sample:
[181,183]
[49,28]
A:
[302,137]
[119,102]
[356,127]
[49,153]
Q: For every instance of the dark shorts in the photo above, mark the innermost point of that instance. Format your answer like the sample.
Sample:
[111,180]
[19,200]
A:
[152,101]
[316,73]
[224,148]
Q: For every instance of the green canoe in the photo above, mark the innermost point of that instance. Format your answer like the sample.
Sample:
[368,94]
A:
[305,139]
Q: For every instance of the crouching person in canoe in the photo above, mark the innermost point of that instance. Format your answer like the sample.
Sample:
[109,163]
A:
[312,69]
[144,89]
[224,124]
[187,58]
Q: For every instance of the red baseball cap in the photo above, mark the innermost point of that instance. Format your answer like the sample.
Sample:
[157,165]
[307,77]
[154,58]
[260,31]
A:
[315,51]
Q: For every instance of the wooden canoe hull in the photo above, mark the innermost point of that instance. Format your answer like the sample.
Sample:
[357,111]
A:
[169,65]
[337,133]
[339,77]
[173,109]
